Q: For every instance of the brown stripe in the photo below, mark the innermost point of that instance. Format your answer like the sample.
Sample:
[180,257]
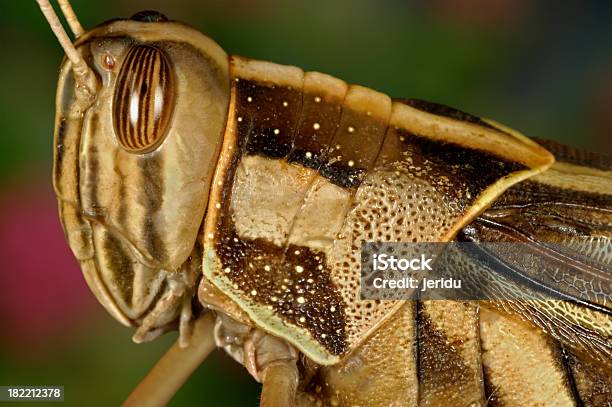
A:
[140,129]
[148,68]
[125,102]
[59,148]
[152,63]
[444,111]
[592,383]
[151,172]
[118,263]
[134,74]
[450,371]
[120,96]
[577,156]
[144,72]
[133,127]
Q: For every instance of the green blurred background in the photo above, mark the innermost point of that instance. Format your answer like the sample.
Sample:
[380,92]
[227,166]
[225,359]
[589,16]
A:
[543,67]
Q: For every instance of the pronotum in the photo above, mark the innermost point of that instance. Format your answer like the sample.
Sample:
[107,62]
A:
[228,197]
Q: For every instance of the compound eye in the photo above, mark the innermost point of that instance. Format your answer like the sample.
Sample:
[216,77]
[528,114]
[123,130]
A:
[143,100]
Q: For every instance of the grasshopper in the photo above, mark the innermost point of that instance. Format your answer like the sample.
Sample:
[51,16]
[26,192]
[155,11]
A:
[228,198]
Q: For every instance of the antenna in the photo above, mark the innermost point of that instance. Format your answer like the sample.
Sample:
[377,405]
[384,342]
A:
[83,74]
[71,18]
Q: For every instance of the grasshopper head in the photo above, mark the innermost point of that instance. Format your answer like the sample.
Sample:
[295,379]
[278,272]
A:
[138,131]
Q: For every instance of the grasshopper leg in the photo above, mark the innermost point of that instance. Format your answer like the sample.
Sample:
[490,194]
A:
[280,382]
[185,322]
[269,359]
[175,367]
[273,362]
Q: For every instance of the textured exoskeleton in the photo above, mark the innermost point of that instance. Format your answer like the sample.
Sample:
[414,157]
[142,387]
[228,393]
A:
[182,166]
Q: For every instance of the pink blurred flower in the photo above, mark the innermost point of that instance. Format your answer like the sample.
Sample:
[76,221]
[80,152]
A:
[42,289]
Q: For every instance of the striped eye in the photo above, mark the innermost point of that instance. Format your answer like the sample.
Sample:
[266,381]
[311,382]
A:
[143,100]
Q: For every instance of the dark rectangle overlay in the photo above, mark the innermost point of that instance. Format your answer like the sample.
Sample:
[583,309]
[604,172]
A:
[31,393]
[487,271]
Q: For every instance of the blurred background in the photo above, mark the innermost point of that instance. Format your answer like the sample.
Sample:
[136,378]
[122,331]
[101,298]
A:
[542,67]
